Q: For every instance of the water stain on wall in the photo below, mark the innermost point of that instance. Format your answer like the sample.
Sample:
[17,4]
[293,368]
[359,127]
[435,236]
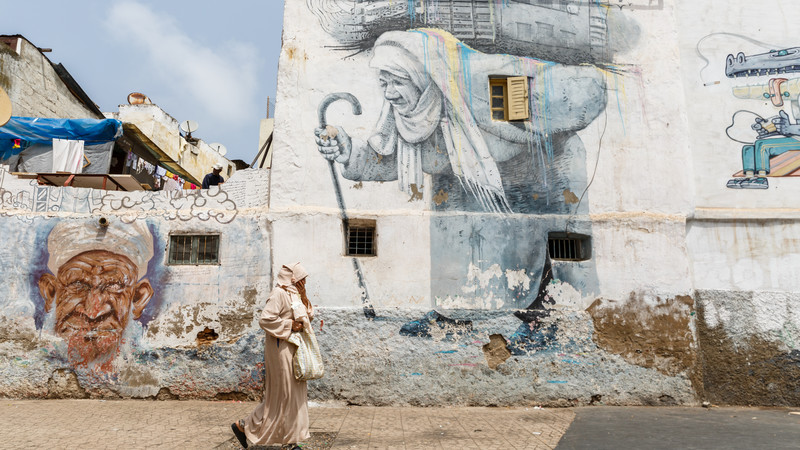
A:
[18,336]
[237,320]
[440,197]
[496,351]
[655,335]
[570,197]
[63,383]
[132,376]
[753,372]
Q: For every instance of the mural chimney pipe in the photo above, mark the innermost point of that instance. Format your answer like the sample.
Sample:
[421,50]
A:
[369,312]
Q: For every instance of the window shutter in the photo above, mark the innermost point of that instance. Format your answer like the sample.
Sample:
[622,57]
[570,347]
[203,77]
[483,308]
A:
[518,108]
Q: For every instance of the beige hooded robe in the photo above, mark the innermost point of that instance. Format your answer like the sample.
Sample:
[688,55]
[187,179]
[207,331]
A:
[282,416]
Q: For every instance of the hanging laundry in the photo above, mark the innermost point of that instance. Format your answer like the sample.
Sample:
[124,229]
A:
[171,185]
[67,156]
[192,186]
[160,171]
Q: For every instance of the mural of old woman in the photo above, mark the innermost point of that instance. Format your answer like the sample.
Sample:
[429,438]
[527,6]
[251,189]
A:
[436,119]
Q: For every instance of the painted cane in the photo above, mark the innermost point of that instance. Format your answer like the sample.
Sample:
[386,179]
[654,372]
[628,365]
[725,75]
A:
[369,311]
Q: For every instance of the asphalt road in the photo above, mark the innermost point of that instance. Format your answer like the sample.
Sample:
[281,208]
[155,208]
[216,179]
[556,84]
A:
[673,428]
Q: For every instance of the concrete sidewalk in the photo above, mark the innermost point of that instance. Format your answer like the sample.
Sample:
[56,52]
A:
[90,424]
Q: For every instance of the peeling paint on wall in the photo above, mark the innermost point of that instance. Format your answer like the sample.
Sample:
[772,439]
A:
[652,333]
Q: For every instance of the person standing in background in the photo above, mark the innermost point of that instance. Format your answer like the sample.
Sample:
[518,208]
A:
[214,178]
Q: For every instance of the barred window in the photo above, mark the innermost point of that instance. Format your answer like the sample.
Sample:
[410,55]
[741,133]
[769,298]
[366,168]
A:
[569,247]
[194,249]
[360,237]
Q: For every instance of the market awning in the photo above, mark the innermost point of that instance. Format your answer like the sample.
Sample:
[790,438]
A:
[164,160]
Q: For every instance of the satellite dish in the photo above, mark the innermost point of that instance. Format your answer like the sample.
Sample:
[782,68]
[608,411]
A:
[137,98]
[189,127]
[5,107]
[219,148]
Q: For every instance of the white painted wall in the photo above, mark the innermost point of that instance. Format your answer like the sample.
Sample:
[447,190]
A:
[642,191]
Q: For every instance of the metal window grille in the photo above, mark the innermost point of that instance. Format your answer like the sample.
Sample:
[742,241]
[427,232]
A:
[569,247]
[361,240]
[194,249]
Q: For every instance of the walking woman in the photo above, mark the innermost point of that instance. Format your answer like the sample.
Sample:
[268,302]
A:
[282,417]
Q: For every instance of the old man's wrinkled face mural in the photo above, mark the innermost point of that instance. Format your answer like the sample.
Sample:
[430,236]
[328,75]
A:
[96,285]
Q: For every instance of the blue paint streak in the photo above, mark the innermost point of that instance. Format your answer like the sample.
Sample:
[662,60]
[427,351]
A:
[619,107]
[556,382]
[447,351]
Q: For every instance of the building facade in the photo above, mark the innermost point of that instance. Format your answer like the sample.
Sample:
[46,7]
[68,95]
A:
[591,206]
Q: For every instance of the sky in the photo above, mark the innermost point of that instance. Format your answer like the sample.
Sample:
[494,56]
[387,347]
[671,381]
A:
[212,62]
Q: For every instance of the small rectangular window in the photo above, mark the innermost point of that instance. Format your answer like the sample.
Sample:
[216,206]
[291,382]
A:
[193,249]
[360,237]
[545,29]
[524,32]
[508,98]
[569,247]
[498,91]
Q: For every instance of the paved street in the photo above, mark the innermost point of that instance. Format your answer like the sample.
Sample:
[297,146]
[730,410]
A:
[90,424]
[98,424]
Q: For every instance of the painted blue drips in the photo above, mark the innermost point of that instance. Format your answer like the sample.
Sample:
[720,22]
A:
[619,107]
[465,53]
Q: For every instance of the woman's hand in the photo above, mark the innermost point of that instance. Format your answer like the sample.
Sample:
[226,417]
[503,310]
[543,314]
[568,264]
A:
[297,325]
[333,143]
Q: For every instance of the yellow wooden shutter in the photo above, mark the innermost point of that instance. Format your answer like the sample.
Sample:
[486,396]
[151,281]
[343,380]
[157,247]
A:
[518,108]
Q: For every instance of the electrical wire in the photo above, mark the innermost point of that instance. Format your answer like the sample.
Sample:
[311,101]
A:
[733,122]
[594,172]
[750,40]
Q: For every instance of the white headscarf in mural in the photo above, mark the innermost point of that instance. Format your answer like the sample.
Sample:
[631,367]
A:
[416,56]
[70,238]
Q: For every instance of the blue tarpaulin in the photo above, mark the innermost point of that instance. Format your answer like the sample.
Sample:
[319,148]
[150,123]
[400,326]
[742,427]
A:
[21,132]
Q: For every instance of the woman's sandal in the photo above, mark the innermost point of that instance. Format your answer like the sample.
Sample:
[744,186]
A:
[239,433]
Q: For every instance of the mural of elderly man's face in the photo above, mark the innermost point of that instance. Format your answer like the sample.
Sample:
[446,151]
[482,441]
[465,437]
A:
[95,293]
[400,92]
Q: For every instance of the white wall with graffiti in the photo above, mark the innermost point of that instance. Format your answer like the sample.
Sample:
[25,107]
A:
[405,116]
[601,241]
[741,72]
[107,292]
